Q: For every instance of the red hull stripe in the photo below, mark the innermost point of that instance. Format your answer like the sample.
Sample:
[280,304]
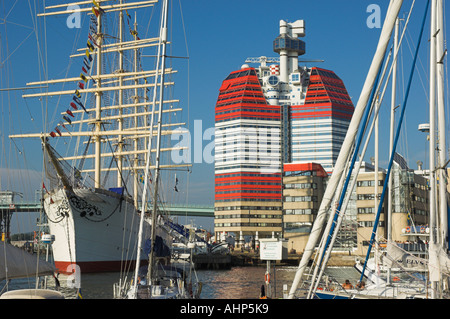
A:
[65,267]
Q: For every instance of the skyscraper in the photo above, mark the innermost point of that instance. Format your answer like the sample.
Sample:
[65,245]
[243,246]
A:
[247,161]
[276,113]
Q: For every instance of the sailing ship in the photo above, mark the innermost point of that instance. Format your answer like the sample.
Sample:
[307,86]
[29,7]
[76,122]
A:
[93,197]
[334,206]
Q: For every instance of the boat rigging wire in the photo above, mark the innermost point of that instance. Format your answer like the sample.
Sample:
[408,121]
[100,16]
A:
[405,100]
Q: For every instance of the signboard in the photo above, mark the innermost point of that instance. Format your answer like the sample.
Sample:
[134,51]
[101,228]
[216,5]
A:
[272,249]
[6,197]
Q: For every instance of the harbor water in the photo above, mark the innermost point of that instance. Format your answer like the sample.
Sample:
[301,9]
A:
[234,283]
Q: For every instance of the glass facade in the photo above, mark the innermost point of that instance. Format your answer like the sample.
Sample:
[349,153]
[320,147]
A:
[285,42]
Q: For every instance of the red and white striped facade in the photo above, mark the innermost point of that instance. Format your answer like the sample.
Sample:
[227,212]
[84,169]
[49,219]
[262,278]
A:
[247,160]
[319,121]
[265,117]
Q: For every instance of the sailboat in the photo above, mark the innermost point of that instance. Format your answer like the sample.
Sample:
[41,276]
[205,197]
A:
[92,197]
[339,183]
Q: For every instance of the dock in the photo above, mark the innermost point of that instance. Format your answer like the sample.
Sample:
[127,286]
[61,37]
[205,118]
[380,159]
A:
[246,259]
[212,261]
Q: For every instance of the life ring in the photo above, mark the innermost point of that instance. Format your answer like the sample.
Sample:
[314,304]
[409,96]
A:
[408,229]
[267,278]
[396,278]
[422,229]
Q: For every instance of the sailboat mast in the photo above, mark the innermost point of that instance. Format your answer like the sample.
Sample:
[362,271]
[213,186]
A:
[434,277]
[98,105]
[136,102]
[376,162]
[440,55]
[394,8]
[392,124]
[120,103]
[391,135]
[148,158]
[158,137]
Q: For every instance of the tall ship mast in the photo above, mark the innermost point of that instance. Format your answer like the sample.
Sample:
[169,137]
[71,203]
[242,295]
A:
[111,110]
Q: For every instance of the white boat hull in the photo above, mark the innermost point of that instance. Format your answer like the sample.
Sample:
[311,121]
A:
[94,230]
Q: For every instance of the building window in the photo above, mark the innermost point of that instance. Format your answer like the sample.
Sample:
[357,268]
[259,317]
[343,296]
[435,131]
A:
[301,186]
[297,227]
[367,196]
[300,211]
[366,210]
[362,224]
[300,198]
[369,183]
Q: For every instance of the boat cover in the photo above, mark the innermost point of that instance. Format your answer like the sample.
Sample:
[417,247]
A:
[17,263]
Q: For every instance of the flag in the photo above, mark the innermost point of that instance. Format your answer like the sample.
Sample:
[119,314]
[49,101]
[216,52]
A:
[95,11]
[61,123]
[84,70]
[88,55]
[141,179]
[90,46]
[92,29]
[58,131]
[79,103]
[81,85]
[67,119]
[98,7]
[87,64]
[176,183]
[79,296]
[73,105]
[51,202]
[94,20]
[77,93]
[83,77]
[52,134]
[70,113]
[93,40]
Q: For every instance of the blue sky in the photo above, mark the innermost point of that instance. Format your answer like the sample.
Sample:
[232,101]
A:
[336,31]
[220,35]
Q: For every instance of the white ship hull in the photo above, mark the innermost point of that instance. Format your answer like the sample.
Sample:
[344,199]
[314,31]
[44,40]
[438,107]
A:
[94,230]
